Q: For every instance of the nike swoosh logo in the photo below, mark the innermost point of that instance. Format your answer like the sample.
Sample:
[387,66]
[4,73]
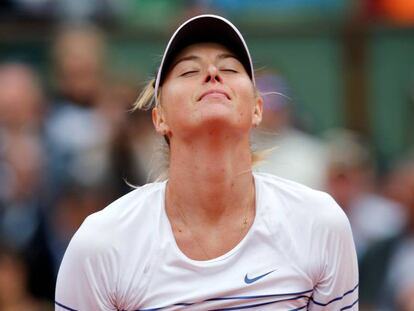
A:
[247,280]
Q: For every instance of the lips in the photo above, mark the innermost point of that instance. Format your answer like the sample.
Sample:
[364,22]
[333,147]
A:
[213,91]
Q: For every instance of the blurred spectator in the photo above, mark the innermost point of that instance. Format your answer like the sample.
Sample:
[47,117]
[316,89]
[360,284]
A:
[387,271]
[77,137]
[22,209]
[21,99]
[297,155]
[22,192]
[79,62]
[14,295]
[396,183]
[351,180]
[20,179]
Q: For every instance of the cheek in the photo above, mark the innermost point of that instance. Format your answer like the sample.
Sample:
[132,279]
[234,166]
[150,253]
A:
[245,97]
[176,100]
[172,94]
[244,88]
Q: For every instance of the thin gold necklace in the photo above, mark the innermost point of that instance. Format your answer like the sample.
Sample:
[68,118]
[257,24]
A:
[193,235]
[191,232]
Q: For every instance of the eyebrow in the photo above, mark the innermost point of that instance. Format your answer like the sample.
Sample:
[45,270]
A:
[183,59]
[196,58]
[227,55]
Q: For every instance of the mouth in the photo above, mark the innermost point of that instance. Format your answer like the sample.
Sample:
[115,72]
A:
[214,92]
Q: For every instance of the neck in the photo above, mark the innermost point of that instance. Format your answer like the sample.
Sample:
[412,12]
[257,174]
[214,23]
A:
[210,181]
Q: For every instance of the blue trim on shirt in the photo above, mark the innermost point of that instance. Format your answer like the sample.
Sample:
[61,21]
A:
[261,304]
[350,306]
[335,299]
[300,308]
[258,296]
[64,307]
[300,295]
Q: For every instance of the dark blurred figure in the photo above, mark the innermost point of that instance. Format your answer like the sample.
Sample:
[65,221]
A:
[132,135]
[297,155]
[387,271]
[396,185]
[351,180]
[146,149]
[73,204]
[22,199]
[14,295]
[13,10]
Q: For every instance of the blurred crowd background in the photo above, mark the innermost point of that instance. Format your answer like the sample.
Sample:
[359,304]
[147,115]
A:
[69,144]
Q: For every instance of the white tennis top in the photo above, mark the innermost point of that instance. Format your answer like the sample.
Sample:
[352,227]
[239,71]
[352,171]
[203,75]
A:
[299,254]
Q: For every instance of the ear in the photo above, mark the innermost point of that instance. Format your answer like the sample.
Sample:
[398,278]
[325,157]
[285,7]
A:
[158,118]
[257,111]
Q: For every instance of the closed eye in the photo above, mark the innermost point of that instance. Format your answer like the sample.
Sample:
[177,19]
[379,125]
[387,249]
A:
[188,73]
[229,70]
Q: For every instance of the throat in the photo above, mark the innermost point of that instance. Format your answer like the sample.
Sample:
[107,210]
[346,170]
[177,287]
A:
[210,196]
[210,182]
[207,233]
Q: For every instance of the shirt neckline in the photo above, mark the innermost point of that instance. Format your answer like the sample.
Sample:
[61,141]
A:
[231,252]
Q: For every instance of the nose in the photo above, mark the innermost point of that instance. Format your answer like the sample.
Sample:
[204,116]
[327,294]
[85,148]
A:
[213,75]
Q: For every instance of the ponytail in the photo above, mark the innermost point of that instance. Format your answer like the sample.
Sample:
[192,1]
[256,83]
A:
[146,99]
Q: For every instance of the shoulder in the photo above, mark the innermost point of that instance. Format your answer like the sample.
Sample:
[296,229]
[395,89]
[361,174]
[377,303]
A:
[109,253]
[110,227]
[308,221]
[295,192]
[313,207]
[141,200]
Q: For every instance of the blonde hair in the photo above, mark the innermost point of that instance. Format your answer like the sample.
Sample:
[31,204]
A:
[146,101]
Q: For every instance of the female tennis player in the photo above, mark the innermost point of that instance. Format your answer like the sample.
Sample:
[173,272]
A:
[214,235]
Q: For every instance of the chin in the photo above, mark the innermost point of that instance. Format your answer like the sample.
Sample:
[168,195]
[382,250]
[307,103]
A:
[216,113]
[217,123]
[215,118]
